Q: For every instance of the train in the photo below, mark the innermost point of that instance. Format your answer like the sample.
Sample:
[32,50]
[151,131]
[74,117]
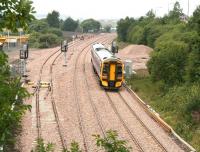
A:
[107,66]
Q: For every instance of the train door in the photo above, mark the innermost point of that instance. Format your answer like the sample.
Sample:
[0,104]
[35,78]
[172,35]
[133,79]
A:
[112,72]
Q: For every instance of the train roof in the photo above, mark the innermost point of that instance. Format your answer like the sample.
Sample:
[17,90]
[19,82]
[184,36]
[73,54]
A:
[103,53]
[98,46]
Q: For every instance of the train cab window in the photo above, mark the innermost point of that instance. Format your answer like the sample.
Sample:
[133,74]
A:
[119,70]
[105,69]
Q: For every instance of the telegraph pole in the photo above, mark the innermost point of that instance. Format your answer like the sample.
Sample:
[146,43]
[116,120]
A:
[188,8]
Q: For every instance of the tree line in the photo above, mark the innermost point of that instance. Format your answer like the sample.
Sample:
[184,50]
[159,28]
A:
[48,32]
[174,64]
[175,41]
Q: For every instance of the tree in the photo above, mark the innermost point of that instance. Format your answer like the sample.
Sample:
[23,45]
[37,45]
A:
[168,64]
[150,14]
[107,28]
[194,22]
[90,25]
[38,26]
[53,19]
[176,14]
[122,28]
[70,24]
[16,14]
[13,14]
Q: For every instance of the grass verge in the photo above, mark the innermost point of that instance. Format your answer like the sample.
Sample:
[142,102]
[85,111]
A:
[179,106]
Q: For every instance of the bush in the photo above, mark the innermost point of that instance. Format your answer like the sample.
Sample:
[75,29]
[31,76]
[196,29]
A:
[38,26]
[193,67]
[11,108]
[48,40]
[55,31]
[169,63]
[136,35]
[42,147]
[33,40]
[111,143]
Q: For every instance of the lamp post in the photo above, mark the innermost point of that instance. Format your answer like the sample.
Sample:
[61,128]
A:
[157,9]
[188,8]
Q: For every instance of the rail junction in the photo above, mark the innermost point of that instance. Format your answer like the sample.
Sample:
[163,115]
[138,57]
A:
[74,106]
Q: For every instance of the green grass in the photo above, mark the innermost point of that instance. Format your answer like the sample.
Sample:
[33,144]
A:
[175,105]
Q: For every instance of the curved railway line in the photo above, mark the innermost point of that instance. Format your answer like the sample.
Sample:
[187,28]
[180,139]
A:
[55,54]
[98,116]
[85,105]
[80,117]
[160,146]
[141,122]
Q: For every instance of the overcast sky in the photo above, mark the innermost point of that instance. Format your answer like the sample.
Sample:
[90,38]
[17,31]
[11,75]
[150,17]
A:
[108,9]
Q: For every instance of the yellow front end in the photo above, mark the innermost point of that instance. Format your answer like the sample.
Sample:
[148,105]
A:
[111,75]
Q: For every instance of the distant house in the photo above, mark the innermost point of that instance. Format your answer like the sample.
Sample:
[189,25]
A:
[184,18]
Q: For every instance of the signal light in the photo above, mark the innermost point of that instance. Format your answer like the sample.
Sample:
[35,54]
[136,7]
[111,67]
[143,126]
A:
[24,52]
[64,46]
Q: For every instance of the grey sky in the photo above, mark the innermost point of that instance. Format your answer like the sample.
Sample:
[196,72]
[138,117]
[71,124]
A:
[108,9]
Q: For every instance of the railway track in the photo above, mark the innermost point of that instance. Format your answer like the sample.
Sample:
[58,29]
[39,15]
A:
[123,123]
[141,122]
[98,118]
[76,100]
[57,53]
[132,136]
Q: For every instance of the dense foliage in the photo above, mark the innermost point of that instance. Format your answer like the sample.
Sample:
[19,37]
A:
[13,14]
[174,65]
[16,14]
[53,19]
[11,105]
[70,24]
[176,44]
[90,25]
[44,36]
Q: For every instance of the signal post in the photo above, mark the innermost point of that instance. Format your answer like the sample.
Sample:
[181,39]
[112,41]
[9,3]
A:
[23,55]
[64,48]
